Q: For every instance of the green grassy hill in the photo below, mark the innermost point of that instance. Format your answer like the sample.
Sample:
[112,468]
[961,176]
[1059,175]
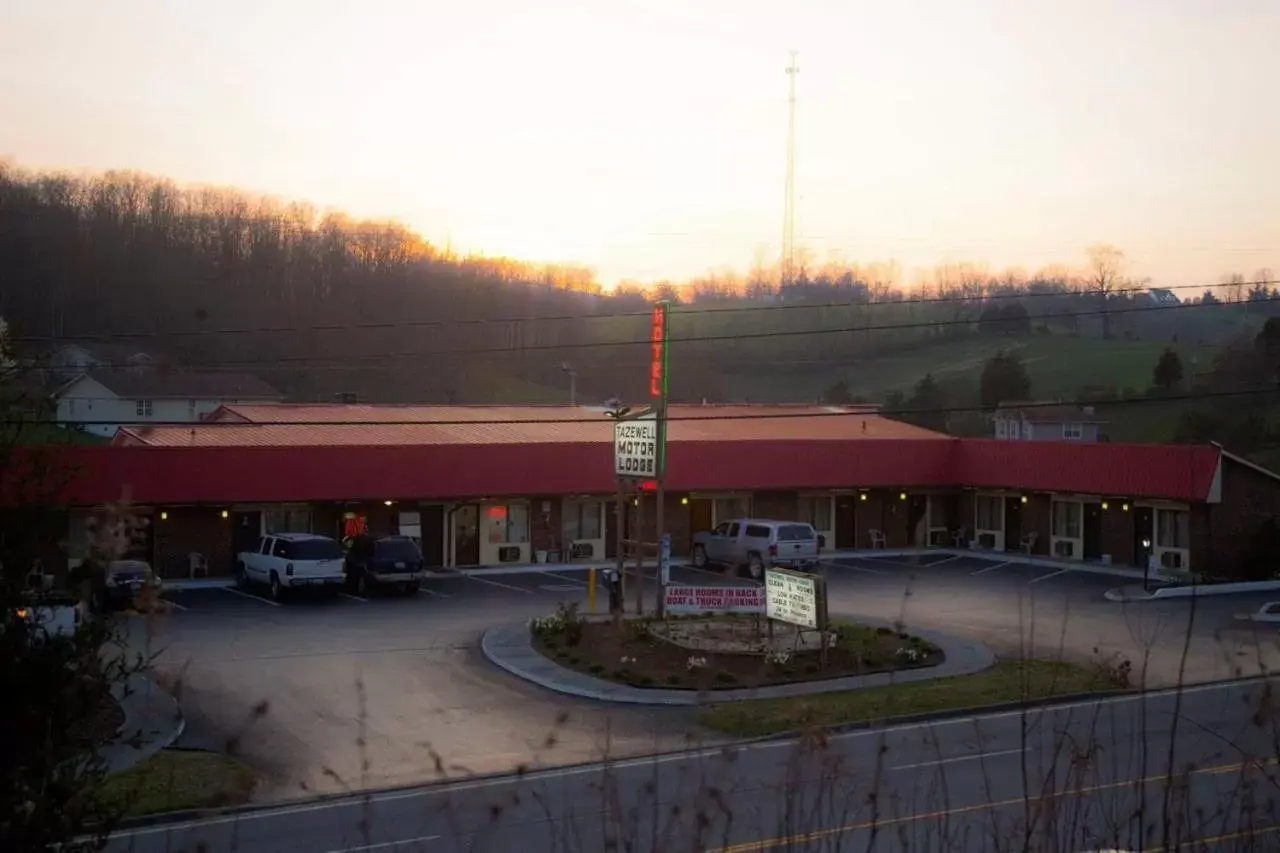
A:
[1059,366]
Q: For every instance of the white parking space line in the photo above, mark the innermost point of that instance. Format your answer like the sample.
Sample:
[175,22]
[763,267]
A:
[990,569]
[418,840]
[1050,575]
[862,569]
[251,596]
[563,578]
[353,597]
[943,560]
[500,584]
[433,592]
[175,605]
[957,759]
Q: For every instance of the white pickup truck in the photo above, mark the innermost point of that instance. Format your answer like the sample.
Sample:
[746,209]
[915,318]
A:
[757,544]
[286,561]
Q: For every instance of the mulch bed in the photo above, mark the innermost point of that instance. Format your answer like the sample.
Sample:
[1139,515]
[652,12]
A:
[628,654]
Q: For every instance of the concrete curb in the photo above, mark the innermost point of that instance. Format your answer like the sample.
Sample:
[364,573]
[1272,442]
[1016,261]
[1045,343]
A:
[152,721]
[510,648]
[1131,593]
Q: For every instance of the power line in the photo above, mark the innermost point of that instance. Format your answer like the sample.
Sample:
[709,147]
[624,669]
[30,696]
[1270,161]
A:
[742,336]
[838,411]
[691,311]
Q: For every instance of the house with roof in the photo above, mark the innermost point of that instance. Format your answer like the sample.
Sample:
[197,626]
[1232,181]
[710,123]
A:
[1046,422]
[69,360]
[491,485]
[101,401]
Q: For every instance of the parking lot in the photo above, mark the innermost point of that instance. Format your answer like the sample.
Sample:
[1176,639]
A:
[402,674]
[348,692]
[1019,608]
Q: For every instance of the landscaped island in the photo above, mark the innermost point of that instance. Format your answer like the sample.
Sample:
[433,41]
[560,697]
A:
[723,651]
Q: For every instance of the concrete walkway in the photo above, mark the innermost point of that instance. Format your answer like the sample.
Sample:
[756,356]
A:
[152,722]
[1136,592]
[511,648]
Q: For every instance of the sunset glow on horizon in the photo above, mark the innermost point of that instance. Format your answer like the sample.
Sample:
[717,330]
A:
[646,139]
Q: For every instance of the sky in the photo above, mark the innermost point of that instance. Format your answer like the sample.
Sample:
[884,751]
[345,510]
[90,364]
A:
[647,139]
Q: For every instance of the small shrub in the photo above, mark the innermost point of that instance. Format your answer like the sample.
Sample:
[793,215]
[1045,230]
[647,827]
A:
[561,654]
[1114,669]
[596,669]
[574,660]
[622,674]
[909,654]
[645,681]
[884,632]
[674,680]
[811,668]
[725,677]
[551,642]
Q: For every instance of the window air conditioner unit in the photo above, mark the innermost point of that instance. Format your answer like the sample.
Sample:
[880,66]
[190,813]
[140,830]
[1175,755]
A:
[1171,560]
[583,550]
[509,554]
[1064,548]
[987,540]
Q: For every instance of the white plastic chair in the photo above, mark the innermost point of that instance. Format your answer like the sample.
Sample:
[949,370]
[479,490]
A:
[877,539]
[197,563]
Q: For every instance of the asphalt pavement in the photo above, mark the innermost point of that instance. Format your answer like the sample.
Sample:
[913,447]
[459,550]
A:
[1189,770]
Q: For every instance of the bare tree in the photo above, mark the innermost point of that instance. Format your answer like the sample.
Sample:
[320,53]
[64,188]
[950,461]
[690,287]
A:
[1106,265]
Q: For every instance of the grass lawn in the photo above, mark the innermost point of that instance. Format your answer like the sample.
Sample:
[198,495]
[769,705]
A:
[1006,681]
[178,780]
[1058,365]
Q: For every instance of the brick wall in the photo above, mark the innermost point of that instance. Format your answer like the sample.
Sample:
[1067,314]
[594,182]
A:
[780,505]
[188,529]
[1117,533]
[1222,533]
[546,528]
[1036,518]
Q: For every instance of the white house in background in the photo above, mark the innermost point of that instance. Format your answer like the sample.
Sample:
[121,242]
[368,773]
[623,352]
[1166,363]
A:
[68,361]
[115,398]
[1040,422]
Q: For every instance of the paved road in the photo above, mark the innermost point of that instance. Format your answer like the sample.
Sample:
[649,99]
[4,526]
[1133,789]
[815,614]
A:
[1063,779]
[426,686]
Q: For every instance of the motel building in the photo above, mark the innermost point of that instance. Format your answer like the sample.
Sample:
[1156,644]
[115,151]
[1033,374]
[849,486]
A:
[495,485]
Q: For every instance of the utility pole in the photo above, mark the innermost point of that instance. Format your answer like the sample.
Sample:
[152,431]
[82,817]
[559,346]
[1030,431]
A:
[789,205]
[658,386]
[569,371]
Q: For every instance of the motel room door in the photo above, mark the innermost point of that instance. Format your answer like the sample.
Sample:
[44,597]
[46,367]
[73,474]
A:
[246,527]
[699,520]
[466,535]
[432,529]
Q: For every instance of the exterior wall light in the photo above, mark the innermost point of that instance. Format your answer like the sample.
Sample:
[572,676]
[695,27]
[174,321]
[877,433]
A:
[902,496]
[862,496]
[388,503]
[1104,505]
[164,516]
[1124,507]
[1024,498]
[226,514]
[684,501]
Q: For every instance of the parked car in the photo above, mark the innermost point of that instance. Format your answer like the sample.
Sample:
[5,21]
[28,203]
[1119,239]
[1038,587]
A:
[119,584]
[289,561]
[382,562]
[756,544]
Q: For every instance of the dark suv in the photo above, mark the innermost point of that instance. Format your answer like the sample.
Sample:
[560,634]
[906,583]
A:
[390,560]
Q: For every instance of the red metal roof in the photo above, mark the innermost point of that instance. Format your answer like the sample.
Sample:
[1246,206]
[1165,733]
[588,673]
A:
[223,475]
[299,425]
[1176,472]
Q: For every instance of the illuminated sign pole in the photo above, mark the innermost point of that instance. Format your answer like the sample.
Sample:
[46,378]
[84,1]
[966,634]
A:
[658,331]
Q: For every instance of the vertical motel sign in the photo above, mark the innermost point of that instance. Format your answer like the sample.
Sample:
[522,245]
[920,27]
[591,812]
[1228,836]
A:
[658,377]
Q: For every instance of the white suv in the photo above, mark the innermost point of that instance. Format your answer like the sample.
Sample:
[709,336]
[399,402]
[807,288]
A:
[285,561]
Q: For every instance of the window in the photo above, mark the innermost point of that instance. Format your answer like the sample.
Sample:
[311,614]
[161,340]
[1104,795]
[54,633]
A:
[731,508]
[1173,528]
[1072,431]
[287,520]
[396,549]
[757,531]
[722,529]
[309,549]
[988,512]
[517,523]
[1066,519]
[815,510]
[1001,428]
[796,533]
[733,530]
[582,520]
[142,408]
[191,409]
